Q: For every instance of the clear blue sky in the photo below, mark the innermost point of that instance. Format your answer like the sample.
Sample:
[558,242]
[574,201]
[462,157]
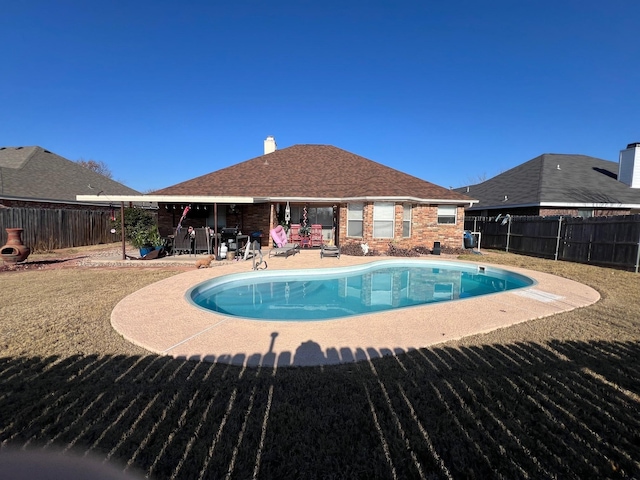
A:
[448,91]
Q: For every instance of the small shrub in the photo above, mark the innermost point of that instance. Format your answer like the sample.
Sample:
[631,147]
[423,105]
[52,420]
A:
[135,220]
[354,249]
[453,250]
[395,251]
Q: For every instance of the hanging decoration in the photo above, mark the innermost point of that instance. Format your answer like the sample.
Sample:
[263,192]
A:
[304,216]
[184,214]
[287,213]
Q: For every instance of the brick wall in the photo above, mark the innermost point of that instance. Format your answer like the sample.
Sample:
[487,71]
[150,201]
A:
[425,229]
[573,212]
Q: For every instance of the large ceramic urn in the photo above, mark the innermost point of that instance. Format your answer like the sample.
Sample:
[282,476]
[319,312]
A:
[14,251]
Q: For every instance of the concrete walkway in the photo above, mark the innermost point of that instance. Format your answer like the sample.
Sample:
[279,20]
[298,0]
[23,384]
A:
[160,319]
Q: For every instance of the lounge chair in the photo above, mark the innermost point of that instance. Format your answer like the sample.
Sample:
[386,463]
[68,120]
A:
[329,250]
[281,247]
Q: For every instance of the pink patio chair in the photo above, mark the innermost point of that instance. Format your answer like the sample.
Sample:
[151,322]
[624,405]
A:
[279,237]
[316,235]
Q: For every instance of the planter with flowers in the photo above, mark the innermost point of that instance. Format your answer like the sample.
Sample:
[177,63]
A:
[146,239]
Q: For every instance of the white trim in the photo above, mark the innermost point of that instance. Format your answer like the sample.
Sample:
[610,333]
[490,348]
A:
[240,200]
[62,202]
[558,204]
[590,205]
[166,198]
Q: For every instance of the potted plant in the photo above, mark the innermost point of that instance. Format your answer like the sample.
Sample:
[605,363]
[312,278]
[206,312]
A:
[146,239]
[305,231]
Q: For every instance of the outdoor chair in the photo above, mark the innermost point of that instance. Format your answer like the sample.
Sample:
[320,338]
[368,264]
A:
[329,250]
[316,235]
[182,242]
[294,233]
[202,241]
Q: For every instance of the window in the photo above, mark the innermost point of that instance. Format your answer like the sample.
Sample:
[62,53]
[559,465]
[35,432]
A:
[447,214]
[585,212]
[383,216]
[406,220]
[320,215]
[355,216]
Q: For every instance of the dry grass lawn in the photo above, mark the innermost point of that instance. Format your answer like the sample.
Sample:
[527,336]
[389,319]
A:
[557,397]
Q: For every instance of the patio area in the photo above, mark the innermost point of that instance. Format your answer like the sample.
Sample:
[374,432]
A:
[160,319]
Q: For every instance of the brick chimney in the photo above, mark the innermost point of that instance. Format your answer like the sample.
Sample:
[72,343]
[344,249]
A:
[270,145]
[629,165]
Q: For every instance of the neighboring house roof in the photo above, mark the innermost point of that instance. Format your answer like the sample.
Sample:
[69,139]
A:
[314,173]
[33,173]
[556,180]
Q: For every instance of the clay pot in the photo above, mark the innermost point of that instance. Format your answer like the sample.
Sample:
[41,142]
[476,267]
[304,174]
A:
[14,251]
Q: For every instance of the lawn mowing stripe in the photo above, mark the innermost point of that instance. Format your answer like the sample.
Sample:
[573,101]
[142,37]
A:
[50,406]
[425,436]
[114,423]
[243,428]
[88,427]
[76,421]
[42,432]
[194,437]
[132,428]
[381,437]
[483,430]
[263,434]
[396,420]
[549,406]
[218,436]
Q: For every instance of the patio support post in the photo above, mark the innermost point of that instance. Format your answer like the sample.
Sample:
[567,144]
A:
[124,253]
[215,231]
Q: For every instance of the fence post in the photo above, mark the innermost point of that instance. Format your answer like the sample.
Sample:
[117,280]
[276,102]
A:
[508,233]
[558,238]
[638,255]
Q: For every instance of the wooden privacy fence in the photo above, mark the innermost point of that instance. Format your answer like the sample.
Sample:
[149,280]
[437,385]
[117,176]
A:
[49,229]
[606,241]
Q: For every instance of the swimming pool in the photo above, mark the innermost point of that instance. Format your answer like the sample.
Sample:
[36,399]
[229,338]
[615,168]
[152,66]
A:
[325,294]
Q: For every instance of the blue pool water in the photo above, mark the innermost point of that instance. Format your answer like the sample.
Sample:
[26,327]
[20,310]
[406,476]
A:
[323,294]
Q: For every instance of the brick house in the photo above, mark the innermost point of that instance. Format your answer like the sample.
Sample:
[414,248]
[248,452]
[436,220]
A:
[32,177]
[562,184]
[354,199]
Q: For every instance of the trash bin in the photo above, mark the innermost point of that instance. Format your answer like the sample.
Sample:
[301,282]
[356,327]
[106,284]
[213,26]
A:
[255,240]
[436,248]
[469,239]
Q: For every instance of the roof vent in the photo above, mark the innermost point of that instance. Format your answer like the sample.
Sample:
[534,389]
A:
[270,145]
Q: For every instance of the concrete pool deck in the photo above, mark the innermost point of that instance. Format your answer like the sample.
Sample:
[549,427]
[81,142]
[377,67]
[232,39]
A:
[160,319]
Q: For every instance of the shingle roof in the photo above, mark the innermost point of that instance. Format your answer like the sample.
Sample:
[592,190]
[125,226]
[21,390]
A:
[313,172]
[554,179]
[36,173]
